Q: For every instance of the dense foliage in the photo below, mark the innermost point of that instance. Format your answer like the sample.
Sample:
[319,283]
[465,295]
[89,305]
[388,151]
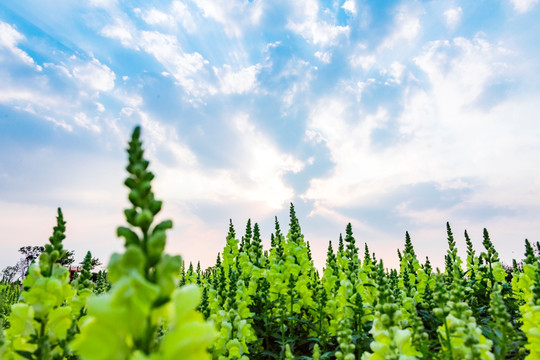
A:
[268,304]
[274,304]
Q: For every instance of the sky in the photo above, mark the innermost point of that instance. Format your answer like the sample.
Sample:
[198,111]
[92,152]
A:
[391,115]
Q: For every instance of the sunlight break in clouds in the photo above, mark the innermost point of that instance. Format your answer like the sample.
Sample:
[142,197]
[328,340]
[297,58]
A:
[358,175]
[265,164]
[256,175]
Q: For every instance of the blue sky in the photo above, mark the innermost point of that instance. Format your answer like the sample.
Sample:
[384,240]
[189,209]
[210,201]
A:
[391,115]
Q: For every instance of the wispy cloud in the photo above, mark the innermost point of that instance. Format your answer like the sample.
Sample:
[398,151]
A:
[177,13]
[54,92]
[307,22]
[9,39]
[406,27]
[233,15]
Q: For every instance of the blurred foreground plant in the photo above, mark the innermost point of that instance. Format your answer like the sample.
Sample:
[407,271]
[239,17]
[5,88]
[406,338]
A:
[124,323]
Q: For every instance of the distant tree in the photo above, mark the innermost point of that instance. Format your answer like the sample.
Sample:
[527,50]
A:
[94,262]
[9,273]
[68,258]
[29,255]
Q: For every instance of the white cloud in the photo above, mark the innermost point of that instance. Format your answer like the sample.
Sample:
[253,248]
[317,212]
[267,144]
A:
[39,93]
[93,74]
[361,86]
[120,31]
[166,49]
[396,72]
[156,17]
[406,27]
[265,164]
[9,38]
[350,6]
[444,135]
[522,6]
[181,13]
[453,17]
[106,4]
[305,21]
[364,61]
[160,137]
[82,120]
[33,96]
[234,15]
[190,70]
[129,99]
[325,57]
[183,66]
[319,32]
[461,69]
[186,68]
[357,175]
[56,122]
[480,146]
[299,73]
[242,81]
[178,12]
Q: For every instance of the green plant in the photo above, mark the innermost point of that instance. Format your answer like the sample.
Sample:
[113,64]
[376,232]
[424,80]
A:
[125,322]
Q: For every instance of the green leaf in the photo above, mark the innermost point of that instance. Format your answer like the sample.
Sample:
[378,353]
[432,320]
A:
[130,236]
[162,226]
[25,354]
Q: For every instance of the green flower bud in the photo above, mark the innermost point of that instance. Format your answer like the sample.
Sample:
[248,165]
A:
[54,256]
[156,245]
[144,219]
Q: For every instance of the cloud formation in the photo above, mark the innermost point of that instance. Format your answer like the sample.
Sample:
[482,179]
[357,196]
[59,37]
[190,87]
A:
[391,115]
